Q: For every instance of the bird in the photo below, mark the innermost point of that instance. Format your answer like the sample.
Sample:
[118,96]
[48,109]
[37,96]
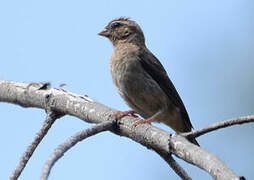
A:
[141,79]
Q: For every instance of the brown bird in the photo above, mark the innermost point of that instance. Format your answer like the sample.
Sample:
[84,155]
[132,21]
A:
[141,79]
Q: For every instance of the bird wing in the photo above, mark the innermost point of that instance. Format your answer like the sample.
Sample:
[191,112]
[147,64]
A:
[155,69]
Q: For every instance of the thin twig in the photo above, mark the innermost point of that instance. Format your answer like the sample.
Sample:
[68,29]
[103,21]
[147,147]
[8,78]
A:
[69,143]
[219,125]
[51,117]
[176,167]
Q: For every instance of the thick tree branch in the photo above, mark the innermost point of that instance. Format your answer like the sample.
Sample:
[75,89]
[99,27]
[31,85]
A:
[86,109]
[51,117]
[69,143]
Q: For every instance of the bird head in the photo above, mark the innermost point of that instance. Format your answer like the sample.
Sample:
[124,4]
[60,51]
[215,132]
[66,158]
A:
[123,30]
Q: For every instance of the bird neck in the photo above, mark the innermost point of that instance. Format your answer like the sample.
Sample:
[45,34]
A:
[135,39]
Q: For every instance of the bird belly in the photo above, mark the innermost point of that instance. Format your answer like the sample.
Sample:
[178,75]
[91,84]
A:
[139,90]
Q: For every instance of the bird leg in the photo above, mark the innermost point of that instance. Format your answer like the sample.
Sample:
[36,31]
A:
[148,121]
[120,114]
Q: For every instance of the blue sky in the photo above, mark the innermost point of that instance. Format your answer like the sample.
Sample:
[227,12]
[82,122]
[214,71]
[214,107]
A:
[205,46]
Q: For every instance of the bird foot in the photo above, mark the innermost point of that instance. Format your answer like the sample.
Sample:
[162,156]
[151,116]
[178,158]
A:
[120,114]
[142,121]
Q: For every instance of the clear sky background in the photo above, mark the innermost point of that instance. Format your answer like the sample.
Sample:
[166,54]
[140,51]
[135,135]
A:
[205,46]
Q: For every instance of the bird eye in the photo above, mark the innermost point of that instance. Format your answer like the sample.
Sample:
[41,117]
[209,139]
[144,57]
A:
[115,25]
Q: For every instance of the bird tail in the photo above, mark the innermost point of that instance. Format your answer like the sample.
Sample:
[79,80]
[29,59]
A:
[194,141]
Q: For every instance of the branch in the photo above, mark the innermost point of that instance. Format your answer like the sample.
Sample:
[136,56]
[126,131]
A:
[219,125]
[176,167]
[69,143]
[51,117]
[90,111]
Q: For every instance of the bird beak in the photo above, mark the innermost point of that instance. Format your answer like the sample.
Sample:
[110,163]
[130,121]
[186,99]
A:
[104,33]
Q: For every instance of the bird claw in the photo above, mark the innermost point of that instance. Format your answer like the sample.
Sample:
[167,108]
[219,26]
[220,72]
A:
[120,114]
[142,121]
